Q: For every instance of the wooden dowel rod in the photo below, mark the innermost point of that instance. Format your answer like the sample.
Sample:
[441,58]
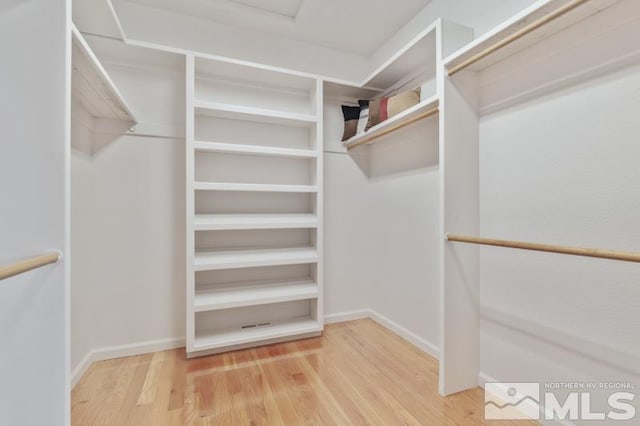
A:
[573,251]
[517,35]
[28,264]
[393,128]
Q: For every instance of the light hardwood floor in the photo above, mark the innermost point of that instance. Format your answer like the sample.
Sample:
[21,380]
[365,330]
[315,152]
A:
[357,373]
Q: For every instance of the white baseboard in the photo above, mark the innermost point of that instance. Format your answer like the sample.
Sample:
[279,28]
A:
[130,349]
[407,335]
[347,316]
[81,368]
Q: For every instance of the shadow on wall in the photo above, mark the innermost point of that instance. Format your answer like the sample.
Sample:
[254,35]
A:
[406,151]
[611,357]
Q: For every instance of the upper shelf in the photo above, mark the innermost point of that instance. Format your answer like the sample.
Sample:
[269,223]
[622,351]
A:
[415,60]
[241,112]
[549,47]
[416,113]
[92,86]
[538,22]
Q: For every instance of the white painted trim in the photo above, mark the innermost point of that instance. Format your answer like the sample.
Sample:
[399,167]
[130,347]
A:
[81,368]
[505,25]
[406,334]
[226,59]
[116,19]
[130,349]
[347,316]
[139,348]
[409,336]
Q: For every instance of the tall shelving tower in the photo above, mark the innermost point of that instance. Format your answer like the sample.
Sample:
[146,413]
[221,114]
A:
[254,205]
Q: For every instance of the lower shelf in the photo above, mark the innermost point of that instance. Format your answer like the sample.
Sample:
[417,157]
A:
[220,338]
[255,293]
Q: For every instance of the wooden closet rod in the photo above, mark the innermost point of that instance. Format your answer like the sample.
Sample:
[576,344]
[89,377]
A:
[28,264]
[517,35]
[574,251]
[393,128]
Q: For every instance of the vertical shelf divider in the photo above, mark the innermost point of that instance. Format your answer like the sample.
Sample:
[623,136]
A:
[190,199]
[319,204]
[459,209]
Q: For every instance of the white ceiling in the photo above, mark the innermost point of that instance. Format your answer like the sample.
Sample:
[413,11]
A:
[352,26]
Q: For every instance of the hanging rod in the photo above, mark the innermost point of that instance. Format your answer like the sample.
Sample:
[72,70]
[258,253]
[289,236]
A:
[393,128]
[573,251]
[517,35]
[29,264]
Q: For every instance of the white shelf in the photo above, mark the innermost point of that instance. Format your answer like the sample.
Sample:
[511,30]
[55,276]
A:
[210,261]
[232,148]
[251,294]
[222,338]
[419,55]
[239,112]
[252,187]
[222,222]
[408,114]
[92,87]
[519,22]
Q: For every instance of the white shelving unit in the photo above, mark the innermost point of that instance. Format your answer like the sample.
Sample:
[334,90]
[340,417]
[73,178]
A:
[549,47]
[254,206]
[96,97]
[389,125]
[444,136]
[413,65]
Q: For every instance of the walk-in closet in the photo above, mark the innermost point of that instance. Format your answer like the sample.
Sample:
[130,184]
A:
[288,212]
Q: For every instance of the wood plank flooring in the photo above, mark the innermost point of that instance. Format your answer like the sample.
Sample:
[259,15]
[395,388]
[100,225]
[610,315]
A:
[357,373]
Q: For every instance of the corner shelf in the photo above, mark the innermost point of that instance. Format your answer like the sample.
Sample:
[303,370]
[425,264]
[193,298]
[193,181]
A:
[415,57]
[413,114]
[252,294]
[227,222]
[92,86]
[211,261]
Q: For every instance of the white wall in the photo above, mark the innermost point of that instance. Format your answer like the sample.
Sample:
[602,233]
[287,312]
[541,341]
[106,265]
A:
[34,151]
[130,284]
[128,223]
[562,170]
[348,225]
[404,180]
[381,228]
